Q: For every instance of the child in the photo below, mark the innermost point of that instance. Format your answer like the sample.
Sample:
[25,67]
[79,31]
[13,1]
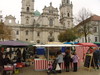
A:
[49,67]
[75,61]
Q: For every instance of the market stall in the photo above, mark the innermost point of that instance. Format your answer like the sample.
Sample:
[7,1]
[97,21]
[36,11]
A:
[14,50]
[42,64]
[82,49]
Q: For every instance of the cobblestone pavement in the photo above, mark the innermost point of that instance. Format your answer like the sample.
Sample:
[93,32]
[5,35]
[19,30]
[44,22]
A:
[81,71]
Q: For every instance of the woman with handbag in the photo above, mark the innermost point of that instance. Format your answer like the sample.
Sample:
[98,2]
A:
[59,59]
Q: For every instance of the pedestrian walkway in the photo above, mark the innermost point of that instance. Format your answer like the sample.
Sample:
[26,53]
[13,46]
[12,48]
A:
[81,71]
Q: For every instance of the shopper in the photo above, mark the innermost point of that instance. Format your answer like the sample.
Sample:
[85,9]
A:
[67,59]
[75,59]
[96,57]
[59,59]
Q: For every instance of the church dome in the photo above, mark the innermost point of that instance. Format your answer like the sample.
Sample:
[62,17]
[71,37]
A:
[36,13]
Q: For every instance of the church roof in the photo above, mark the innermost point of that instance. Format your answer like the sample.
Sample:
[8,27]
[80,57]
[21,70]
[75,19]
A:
[37,13]
[10,17]
[50,8]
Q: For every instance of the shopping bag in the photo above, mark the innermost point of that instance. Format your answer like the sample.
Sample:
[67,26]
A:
[58,67]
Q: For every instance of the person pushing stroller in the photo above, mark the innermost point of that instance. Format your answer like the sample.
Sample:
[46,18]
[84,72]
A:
[52,67]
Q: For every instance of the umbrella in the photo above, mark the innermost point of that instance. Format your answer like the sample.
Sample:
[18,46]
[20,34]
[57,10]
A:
[88,44]
[97,43]
[71,42]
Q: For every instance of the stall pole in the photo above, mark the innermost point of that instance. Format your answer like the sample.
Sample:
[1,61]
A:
[48,53]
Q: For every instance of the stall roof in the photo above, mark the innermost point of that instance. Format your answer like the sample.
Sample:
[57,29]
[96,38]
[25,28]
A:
[56,45]
[13,43]
[87,44]
[96,42]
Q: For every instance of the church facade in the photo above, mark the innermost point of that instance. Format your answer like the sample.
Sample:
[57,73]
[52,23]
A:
[41,27]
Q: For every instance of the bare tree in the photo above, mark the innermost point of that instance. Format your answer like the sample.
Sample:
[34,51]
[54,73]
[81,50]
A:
[84,27]
[5,32]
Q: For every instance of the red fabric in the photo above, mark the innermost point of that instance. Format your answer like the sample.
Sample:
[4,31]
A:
[20,65]
[81,52]
[87,44]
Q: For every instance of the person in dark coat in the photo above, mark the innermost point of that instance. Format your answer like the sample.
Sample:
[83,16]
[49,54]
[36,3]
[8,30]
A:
[6,60]
[1,63]
[24,55]
[18,56]
[67,59]
[96,56]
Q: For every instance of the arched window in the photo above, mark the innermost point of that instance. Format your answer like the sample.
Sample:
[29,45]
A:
[17,39]
[38,34]
[27,32]
[27,9]
[67,1]
[26,39]
[17,32]
[51,33]
[38,41]
[27,21]
[68,14]
[51,22]
[10,21]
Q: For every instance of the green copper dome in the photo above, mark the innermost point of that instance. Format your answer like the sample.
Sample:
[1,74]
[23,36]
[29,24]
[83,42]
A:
[36,13]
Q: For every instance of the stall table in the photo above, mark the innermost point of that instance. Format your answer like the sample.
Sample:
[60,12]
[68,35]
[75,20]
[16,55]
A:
[42,64]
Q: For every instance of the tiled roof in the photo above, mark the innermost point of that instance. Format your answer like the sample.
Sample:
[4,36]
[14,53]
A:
[92,18]
[95,18]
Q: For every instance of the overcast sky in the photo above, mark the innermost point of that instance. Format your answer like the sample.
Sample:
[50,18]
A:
[13,7]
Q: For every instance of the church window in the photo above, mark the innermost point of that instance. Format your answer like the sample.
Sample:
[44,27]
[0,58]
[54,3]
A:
[26,39]
[51,33]
[38,41]
[68,23]
[27,32]
[27,9]
[68,15]
[27,21]
[17,32]
[38,34]
[67,1]
[50,11]
[17,39]
[10,21]
[51,22]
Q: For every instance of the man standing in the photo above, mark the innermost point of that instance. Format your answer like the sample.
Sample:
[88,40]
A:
[67,59]
[96,56]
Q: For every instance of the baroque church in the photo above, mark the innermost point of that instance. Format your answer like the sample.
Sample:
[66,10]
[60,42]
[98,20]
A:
[41,27]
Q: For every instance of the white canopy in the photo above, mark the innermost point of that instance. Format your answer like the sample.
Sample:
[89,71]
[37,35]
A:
[56,45]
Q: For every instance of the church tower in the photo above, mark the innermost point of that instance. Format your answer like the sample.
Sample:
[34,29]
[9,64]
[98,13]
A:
[27,14]
[66,13]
